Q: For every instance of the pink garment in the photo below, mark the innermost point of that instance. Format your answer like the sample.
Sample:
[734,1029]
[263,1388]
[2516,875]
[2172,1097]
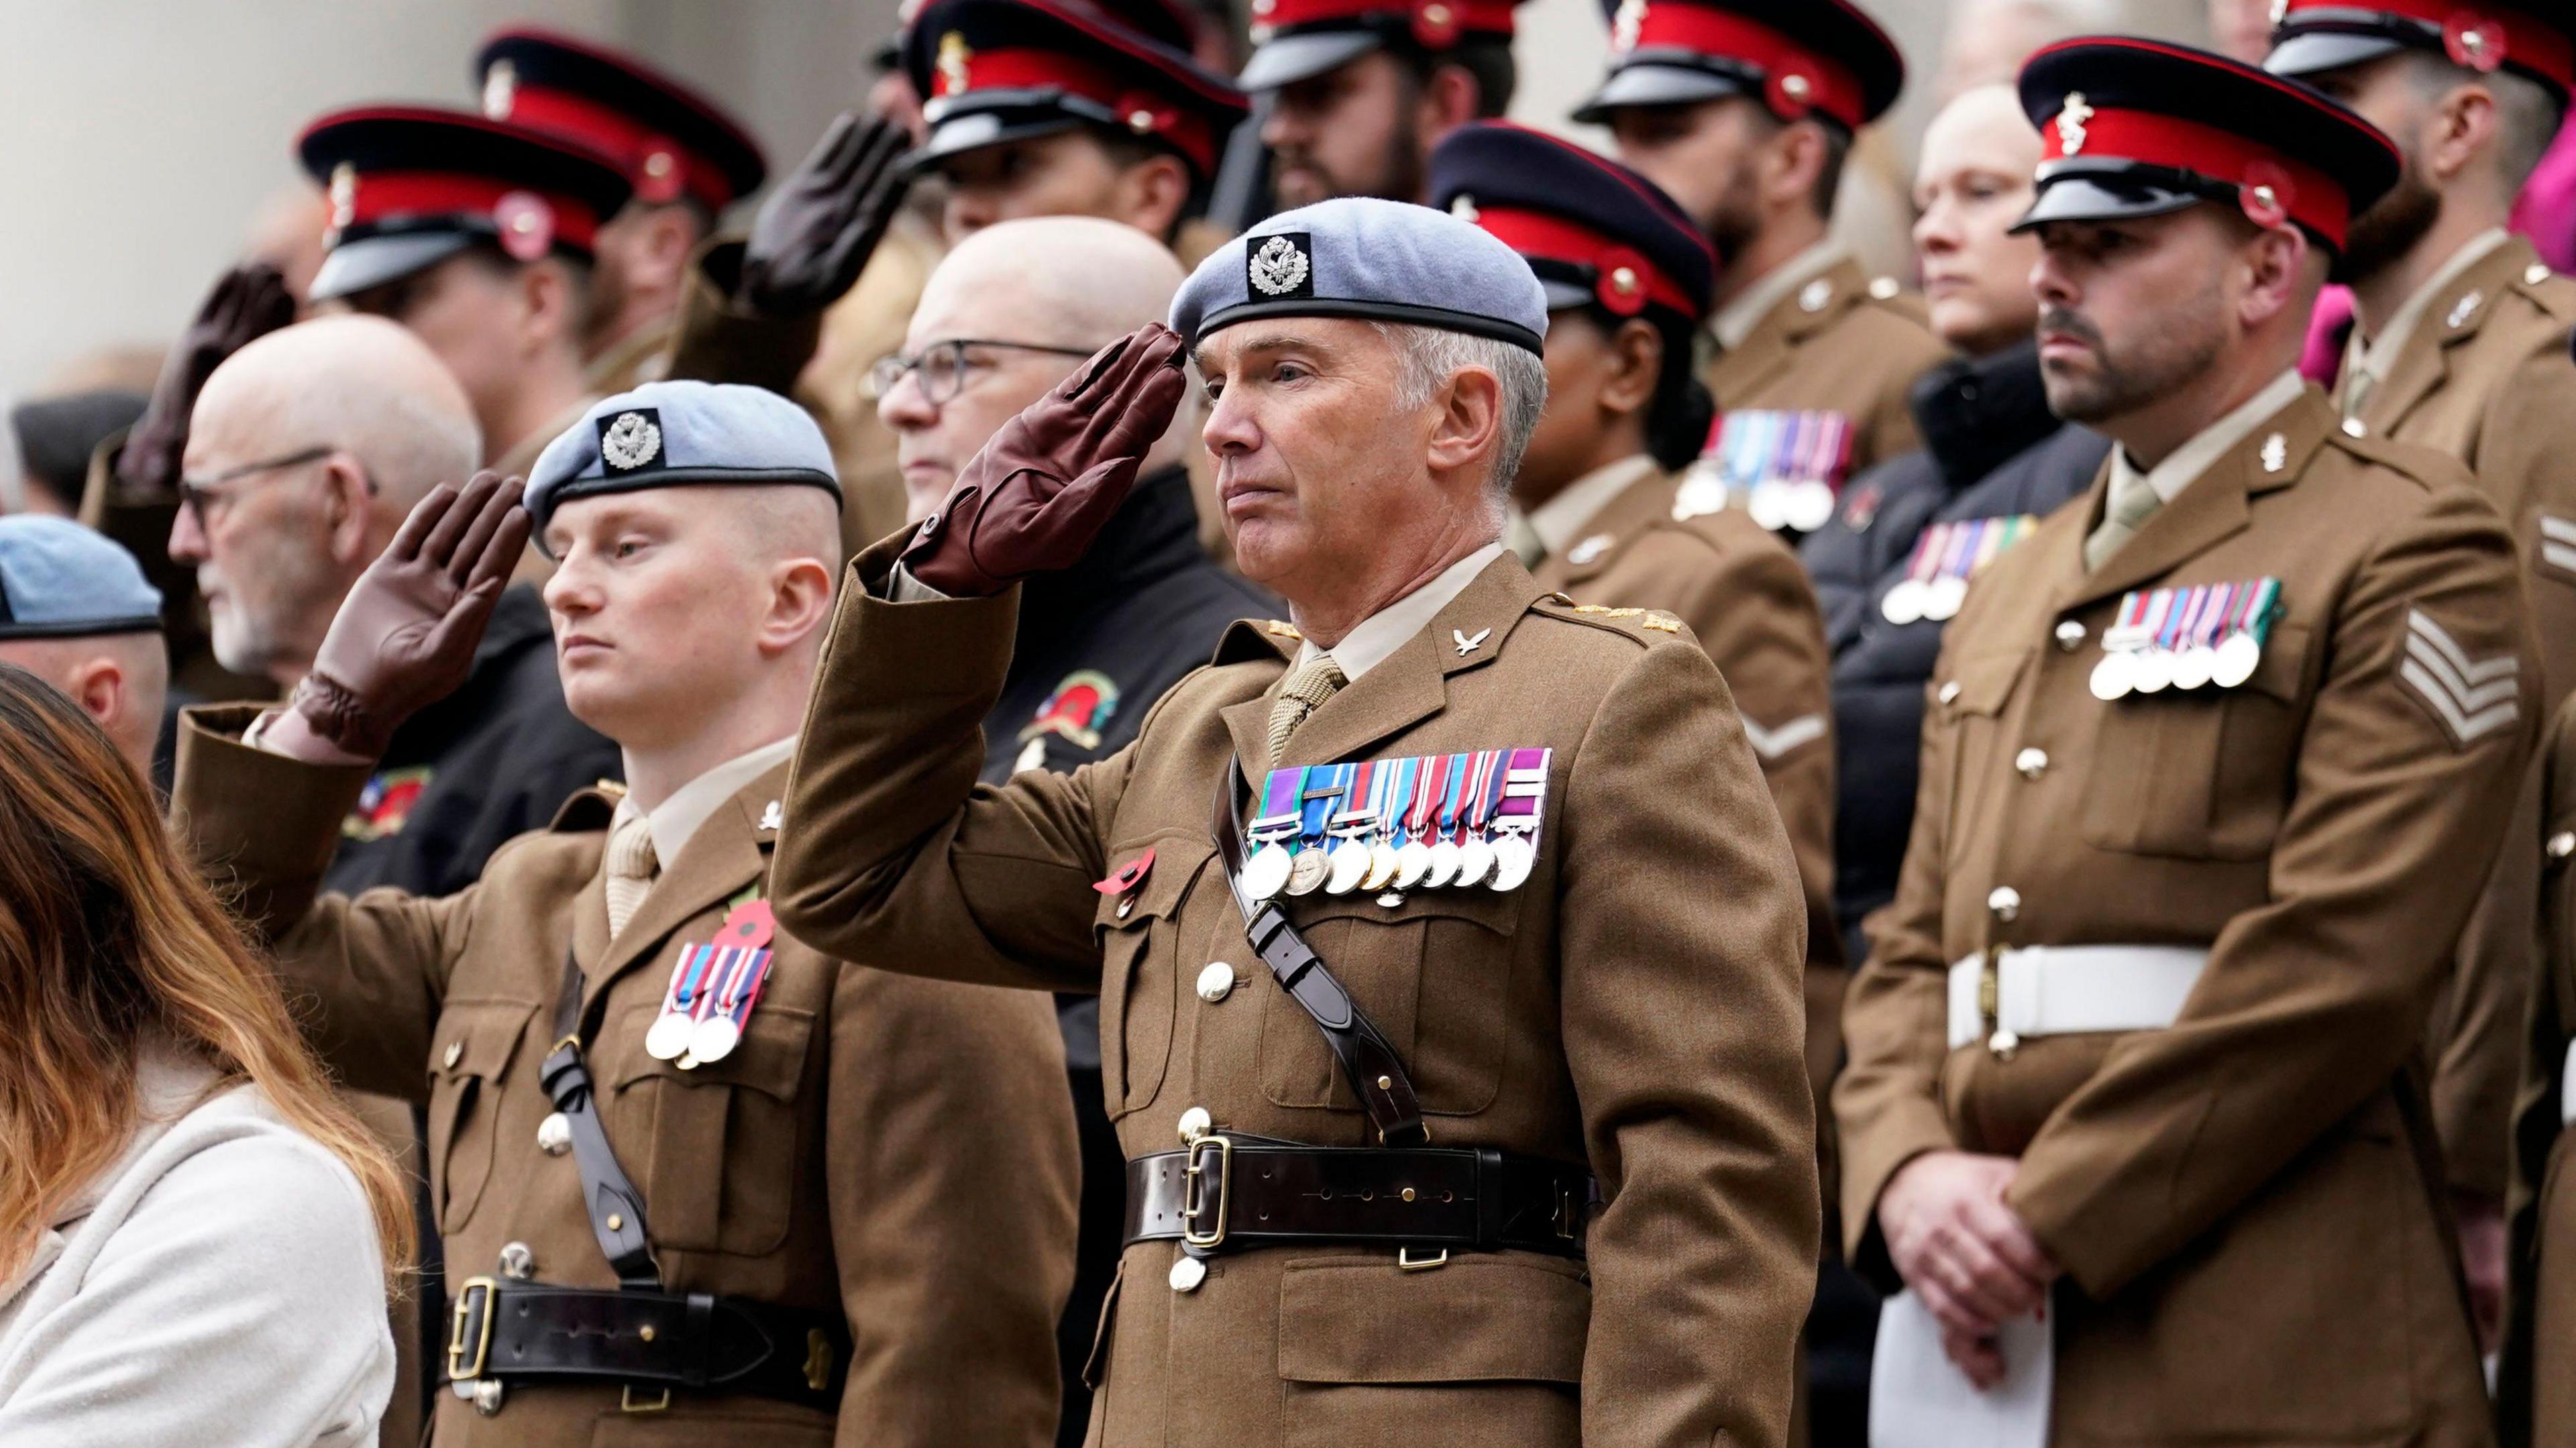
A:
[2328,329]
[2546,211]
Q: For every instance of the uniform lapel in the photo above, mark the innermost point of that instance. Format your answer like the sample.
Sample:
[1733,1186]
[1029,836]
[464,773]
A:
[724,857]
[1623,520]
[2425,364]
[1248,722]
[2213,506]
[1411,684]
[1744,367]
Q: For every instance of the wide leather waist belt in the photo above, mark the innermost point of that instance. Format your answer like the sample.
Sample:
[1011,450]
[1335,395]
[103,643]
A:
[1231,1193]
[525,1332]
[2058,990]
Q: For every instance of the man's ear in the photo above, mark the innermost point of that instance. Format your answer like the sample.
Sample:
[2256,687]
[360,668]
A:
[1153,193]
[1451,98]
[348,514]
[2276,263]
[1469,425]
[800,602]
[1792,162]
[659,260]
[549,303]
[2458,131]
[1636,367]
[98,684]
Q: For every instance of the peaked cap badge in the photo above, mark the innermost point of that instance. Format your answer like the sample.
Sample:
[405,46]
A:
[2071,122]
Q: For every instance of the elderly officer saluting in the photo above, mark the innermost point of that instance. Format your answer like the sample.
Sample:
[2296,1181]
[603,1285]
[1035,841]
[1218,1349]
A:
[1400,913]
[713,1176]
[2210,781]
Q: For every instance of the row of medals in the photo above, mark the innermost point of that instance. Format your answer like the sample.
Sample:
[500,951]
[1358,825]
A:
[692,1040]
[2151,670]
[1360,865]
[1800,506]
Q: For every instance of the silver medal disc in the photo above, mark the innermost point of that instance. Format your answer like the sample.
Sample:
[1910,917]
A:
[1266,873]
[1475,862]
[2194,666]
[1350,861]
[1307,872]
[714,1039]
[2154,671]
[1382,867]
[1942,598]
[1810,505]
[1903,603]
[1412,862]
[2113,677]
[1769,504]
[1445,859]
[2236,661]
[669,1037]
[1513,857]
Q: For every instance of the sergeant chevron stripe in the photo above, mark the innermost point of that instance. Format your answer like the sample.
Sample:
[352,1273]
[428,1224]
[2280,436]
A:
[2558,543]
[2472,697]
[1770,744]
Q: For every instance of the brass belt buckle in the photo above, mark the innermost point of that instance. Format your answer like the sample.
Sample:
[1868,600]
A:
[457,1369]
[1990,1004]
[1196,1192]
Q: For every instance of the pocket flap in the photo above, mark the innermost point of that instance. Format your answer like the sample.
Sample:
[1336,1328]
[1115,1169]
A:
[1978,684]
[1497,910]
[770,1057]
[478,1037]
[2284,664]
[1485,1317]
[1178,857]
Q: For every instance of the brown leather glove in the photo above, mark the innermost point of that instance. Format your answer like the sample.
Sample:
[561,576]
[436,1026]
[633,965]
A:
[816,231]
[406,634]
[248,303]
[1046,484]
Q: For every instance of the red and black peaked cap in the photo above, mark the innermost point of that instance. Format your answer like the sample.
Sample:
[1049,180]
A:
[991,71]
[1800,58]
[1593,230]
[413,185]
[670,140]
[1298,40]
[2140,128]
[2536,41]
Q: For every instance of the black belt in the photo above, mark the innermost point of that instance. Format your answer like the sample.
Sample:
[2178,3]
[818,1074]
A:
[1226,1193]
[515,1332]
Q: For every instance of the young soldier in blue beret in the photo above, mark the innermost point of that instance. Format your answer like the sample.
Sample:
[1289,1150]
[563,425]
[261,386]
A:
[694,1179]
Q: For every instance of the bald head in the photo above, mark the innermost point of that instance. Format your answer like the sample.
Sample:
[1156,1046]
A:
[316,440]
[1972,184]
[1070,283]
[121,680]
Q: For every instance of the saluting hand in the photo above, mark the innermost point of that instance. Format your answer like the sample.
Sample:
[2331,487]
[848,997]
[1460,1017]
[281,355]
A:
[248,303]
[1049,481]
[1964,1251]
[406,634]
[816,231]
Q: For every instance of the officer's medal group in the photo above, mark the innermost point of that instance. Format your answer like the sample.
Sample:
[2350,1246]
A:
[713,989]
[2186,638]
[1442,821]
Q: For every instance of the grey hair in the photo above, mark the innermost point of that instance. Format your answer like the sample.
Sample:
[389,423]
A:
[1427,357]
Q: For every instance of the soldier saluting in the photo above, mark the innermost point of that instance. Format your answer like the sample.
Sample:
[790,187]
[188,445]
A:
[1475,832]
[2210,779]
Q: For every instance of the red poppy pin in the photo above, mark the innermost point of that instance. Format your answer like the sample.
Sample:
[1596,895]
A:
[748,926]
[1129,876]
[2473,41]
[2268,194]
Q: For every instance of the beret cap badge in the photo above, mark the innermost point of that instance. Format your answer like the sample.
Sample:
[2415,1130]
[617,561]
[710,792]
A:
[1279,267]
[630,440]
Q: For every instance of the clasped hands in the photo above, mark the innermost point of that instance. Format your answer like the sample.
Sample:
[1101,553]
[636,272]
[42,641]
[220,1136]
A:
[1966,1254]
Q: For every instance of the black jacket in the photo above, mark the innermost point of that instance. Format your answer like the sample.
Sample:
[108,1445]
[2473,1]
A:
[491,761]
[1992,449]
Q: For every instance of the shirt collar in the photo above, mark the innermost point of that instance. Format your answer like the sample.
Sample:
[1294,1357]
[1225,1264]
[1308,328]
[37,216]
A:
[1560,518]
[1380,634]
[1736,320]
[2378,355]
[2211,443]
[676,819]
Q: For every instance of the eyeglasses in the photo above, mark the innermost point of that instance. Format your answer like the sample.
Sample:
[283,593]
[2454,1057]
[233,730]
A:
[943,366]
[204,498]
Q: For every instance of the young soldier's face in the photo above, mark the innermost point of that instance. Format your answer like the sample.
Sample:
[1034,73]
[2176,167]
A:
[1352,131]
[2130,310]
[1066,174]
[1702,155]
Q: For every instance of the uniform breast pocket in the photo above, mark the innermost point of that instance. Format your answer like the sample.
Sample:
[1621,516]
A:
[1434,974]
[2200,774]
[468,1055]
[1139,934]
[1968,707]
[714,1148]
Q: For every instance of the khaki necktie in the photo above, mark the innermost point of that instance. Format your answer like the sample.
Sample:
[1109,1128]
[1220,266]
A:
[2132,504]
[631,867]
[1310,682]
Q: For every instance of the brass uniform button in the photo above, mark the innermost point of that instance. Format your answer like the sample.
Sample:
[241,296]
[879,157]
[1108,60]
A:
[2070,636]
[1187,1274]
[1196,1123]
[455,1053]
[2005,901]
[518,1262]
[2031,762]
[1950,692]
[1216,982]
[2562,844]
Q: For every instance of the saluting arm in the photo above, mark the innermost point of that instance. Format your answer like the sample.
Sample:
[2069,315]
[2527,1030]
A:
[1680,932]
[2312,1003]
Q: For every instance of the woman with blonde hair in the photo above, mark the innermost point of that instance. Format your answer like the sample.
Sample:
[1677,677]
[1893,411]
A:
[195,1238]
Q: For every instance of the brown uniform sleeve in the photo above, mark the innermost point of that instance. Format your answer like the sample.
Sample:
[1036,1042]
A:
[1681,935]
[952,1169]
[2535,1123]
[2315,1001]
[365,975]
[891,851]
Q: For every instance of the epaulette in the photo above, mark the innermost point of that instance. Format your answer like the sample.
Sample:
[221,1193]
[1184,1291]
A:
[2420,465]
[1642,624]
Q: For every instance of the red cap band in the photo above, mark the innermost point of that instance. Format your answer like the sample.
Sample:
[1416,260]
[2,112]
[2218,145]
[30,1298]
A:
[1796,80]
[1147,113]
[2315,200]
[382,195]
[1436,23]
[1553,238]
[659,168]
[2480,37]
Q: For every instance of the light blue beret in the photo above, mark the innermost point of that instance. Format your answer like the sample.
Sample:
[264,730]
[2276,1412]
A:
[1356,256]
[665,434]
[61,580]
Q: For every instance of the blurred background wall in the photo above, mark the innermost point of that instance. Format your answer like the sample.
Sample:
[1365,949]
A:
[141,140]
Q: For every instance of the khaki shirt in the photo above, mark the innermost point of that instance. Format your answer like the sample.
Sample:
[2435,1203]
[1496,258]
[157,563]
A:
[2250,1236]
[1634,1005]
[897,1149]
[1839,342]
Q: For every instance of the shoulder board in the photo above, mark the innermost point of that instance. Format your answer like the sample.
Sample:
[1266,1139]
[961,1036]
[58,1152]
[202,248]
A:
[1642,624]
[2427,468]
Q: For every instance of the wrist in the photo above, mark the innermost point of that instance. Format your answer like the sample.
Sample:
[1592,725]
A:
[327,723]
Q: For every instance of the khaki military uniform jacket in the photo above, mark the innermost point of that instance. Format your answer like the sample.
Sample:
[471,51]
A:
[1747,600]
[2536,1388]
[2244,1203]
[896,1148]
[2485,377]
[1841,343]
[1633,1005]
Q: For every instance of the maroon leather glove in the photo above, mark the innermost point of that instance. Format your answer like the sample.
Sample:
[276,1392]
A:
[406,634]
[1046,484]
[823,221]
[248,303]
